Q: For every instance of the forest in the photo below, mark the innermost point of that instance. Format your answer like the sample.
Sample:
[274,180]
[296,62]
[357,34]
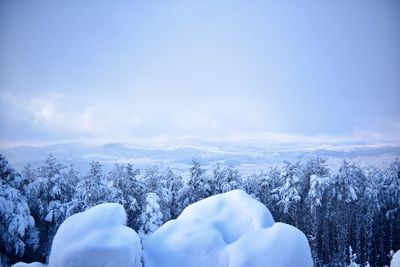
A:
[349,215]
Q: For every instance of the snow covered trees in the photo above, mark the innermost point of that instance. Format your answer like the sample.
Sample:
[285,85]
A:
[350,206]
[391,197]
[344,194]
[50,194]
[17,226]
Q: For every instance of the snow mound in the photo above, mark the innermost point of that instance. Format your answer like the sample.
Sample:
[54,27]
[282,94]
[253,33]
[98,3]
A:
[395,262]
[96,237]
[276,246]
[33,264]
[230,230]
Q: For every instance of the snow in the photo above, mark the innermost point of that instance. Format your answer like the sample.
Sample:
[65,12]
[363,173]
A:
[230,229]
[395,260]
[278,245]
[96,237]
[33,264]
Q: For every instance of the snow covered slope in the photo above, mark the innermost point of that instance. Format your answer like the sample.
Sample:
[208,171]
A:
[96,237]
[230,229]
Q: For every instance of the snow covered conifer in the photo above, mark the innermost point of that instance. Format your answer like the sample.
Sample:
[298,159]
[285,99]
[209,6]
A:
[92,189]
[289,192]
[17,226]
[152,216]
[127,190]
[173,184]
[231,180]
[343,194]
[197,187]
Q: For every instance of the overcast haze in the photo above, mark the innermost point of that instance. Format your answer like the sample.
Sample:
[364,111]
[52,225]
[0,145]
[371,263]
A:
[125,71]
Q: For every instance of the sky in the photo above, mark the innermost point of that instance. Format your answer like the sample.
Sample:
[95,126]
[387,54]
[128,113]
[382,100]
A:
[131,71]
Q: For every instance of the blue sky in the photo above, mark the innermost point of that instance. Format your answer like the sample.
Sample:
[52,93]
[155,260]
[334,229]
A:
[128,71]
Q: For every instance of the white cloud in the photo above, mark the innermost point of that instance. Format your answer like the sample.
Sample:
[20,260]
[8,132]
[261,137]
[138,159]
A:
[59,117]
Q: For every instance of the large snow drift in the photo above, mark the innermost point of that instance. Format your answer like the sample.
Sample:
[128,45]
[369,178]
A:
[230,230]
[96,237]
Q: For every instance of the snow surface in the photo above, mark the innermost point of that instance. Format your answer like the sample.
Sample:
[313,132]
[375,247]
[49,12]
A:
[33,264]
[96,237]
[395,260]
[230,229]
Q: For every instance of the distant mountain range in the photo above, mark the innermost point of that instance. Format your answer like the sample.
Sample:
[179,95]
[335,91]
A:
[246,157]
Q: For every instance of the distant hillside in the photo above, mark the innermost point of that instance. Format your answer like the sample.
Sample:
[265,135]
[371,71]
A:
[246,157]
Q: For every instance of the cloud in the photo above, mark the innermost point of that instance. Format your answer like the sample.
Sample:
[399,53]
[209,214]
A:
[50,117]
[53,118]
[75,117]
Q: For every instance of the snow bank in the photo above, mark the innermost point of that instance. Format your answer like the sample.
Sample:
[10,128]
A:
[33,264]
[395,259]
[230,229]
[279,245]
[96,237]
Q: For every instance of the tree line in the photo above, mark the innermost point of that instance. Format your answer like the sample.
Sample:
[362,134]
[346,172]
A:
[348,215]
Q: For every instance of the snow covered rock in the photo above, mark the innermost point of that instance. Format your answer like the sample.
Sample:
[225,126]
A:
[395,259]
[96,237]
[230,230]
